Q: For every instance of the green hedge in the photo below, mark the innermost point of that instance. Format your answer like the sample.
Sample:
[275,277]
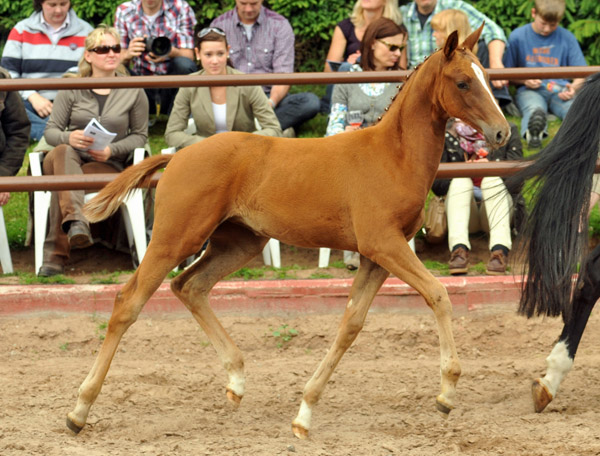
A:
[314,20]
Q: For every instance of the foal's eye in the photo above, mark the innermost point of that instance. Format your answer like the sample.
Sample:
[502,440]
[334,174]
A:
[462,85]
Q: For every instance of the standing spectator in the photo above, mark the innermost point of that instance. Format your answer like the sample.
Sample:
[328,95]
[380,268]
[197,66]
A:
[45,45]
[417,17]
[121,111]
[218,109]
[348,33]
[381,49]
[14,134]
[543,44]
[139,20]
[262,41]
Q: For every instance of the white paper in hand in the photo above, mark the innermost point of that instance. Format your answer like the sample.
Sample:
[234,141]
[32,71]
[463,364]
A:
[102,137]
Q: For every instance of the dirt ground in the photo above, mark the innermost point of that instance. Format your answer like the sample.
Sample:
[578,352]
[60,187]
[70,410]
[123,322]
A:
[99,262]
[165,391]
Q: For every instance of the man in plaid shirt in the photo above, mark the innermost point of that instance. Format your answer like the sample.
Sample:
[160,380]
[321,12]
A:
[262,41]
[421,43]
[137,19]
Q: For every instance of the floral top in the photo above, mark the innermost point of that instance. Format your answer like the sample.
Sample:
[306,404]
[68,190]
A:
[371,98]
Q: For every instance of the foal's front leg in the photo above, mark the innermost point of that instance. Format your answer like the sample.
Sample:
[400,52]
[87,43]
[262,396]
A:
[369,279]
[401,261]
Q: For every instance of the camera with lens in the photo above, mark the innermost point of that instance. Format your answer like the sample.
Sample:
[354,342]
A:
[158,45]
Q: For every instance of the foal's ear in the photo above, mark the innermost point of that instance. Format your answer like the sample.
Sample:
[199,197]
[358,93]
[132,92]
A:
[473,38]
[451,44]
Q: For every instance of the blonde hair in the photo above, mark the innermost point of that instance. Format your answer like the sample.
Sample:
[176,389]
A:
[93,40]
[451,19]
[390,11]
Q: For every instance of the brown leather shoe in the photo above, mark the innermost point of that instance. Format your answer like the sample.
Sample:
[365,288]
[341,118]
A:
[459,261]
[497,263]
[50,269]
[79,235]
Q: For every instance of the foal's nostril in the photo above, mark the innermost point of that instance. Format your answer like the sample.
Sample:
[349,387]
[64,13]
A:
[499,137]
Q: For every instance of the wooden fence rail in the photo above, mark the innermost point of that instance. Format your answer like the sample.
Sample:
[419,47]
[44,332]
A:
[97,181]
[270,79]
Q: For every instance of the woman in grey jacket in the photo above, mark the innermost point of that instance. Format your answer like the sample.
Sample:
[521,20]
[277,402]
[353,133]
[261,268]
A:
[121,111]
[218,109]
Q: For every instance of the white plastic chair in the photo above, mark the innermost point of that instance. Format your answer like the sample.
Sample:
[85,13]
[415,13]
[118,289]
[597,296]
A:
[272,252]
[5,258]
[132,208]
[325,252]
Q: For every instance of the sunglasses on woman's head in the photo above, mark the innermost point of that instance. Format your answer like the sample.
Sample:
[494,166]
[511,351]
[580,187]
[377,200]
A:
[205,31]
[106,49]
[392,47]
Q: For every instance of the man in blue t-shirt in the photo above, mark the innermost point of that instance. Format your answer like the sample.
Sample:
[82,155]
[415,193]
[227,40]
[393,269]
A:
[543,43]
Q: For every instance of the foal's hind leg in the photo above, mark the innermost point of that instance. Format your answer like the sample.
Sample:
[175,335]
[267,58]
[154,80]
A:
[368,280]
[561,358]
[128,304]
[231,247]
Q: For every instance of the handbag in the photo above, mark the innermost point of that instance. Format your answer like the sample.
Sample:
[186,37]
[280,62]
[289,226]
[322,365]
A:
[436,225]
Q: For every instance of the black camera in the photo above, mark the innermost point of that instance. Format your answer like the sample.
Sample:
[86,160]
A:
[158,45]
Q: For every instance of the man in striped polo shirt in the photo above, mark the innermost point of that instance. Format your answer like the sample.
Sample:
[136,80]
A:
[45,45]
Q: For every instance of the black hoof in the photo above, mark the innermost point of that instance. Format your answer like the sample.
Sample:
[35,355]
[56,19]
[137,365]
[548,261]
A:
[442,408]
[73,427]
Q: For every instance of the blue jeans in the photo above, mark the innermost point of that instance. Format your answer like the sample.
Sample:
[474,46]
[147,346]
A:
[529,100]
[38,124]
[296,108]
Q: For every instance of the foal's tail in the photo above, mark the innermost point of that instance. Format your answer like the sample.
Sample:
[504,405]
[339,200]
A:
[108,200]
[561,174]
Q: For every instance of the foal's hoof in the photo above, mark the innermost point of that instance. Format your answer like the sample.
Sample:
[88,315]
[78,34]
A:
[233,398]
[73,427]
[444,409]
[541,396]
[300,431]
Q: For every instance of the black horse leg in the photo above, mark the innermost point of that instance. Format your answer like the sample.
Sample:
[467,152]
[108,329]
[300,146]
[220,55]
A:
[561,358]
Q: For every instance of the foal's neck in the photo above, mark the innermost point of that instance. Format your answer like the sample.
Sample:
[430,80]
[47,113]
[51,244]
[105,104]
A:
[415,118]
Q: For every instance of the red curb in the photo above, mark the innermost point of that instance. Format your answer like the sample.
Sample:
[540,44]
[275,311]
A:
[265,296]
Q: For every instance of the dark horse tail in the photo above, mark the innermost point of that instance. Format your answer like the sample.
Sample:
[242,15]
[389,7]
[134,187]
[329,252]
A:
[561,181]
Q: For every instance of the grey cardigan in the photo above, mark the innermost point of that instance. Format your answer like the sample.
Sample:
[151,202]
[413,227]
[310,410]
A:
[125,113]
[244,103]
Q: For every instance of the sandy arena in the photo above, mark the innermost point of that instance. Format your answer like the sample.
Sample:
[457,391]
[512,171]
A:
[165,391]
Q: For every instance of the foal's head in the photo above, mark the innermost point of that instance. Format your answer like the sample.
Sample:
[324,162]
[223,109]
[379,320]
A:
[464,91]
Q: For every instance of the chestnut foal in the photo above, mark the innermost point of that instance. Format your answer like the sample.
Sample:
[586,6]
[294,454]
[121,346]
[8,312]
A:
[361,191]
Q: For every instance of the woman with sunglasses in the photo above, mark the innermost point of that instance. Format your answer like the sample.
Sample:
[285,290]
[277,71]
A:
[383,48]
[121,111]
[347,35]
[218,109]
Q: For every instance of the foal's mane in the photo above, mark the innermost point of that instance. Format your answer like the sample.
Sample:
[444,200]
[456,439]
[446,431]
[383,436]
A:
[410,76]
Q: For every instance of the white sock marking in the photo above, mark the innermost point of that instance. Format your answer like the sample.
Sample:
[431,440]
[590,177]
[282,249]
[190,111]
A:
[304,416]
[559,364]
[236,384]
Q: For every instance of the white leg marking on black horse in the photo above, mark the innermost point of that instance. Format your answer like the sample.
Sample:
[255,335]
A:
[559,364]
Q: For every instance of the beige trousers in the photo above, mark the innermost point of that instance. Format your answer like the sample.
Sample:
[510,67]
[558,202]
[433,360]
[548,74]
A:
[65,206]
[466,216]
